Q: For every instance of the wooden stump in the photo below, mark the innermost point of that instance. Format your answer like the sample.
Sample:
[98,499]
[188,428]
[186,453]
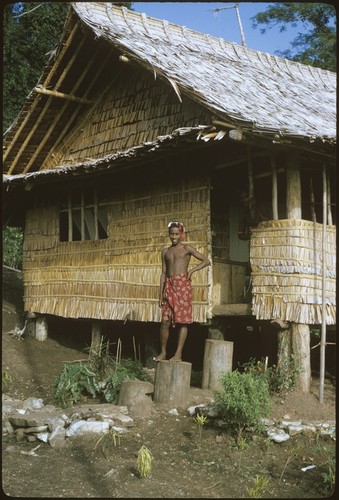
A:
[41,328]
[172,382]
[218,358]
[137,396]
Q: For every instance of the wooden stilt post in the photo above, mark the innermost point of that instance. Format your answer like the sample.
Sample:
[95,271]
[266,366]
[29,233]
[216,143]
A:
[323,311]
[41,328]
[96,339]
[218,358]
[300,333]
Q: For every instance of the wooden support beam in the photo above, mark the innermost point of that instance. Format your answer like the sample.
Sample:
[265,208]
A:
[70,121]
[293,188]
[274,188]
[62,95]
[232,310]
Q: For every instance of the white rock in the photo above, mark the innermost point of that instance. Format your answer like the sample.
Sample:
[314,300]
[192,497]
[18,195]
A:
[82,427]
[33,404]
[43,436]
[192,409]
[173,411]
[57,438]
[119,430]
[277,435]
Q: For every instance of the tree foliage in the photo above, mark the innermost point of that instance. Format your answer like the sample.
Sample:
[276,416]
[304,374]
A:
[31,32]
[317,45]
[12,247]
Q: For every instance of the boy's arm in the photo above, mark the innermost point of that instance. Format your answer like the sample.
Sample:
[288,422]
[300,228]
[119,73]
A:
[162,277]
[204,260]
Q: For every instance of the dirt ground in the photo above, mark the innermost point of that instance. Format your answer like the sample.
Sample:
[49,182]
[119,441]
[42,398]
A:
[183,465]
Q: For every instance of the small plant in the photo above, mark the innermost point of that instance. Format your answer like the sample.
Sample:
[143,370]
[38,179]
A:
[279,378]
[292,455]
[243,400]
[260,484]
[6,379]
[144,461]
[75,381]
[112,437]
[329,476]
[200,421]
[125,370]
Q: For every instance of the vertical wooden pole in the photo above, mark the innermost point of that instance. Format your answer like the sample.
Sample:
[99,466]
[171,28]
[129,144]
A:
[274,188]
[323,311]
[314,217]
[82,217]
[300,332]
[96,338]
[96,225]
[70,218]
[329,210]
[251,204]
[293,194]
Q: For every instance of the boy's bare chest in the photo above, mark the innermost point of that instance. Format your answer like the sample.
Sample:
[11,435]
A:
[176,253]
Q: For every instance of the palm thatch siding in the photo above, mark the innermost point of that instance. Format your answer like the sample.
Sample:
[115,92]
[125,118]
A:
[116,278]
[286,260]
[118,120]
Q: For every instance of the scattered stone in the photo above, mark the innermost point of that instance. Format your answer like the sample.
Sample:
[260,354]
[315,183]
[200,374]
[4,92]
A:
[31,438]
[82,427]
[34,430]
[277,435]
[33,404]
[57,437]
[43,436]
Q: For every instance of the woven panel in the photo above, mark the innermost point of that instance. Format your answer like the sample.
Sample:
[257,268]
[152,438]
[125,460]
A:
[286,260]
[118,277]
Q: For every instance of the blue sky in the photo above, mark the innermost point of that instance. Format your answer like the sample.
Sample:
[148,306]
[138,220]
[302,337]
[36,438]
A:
[201,17]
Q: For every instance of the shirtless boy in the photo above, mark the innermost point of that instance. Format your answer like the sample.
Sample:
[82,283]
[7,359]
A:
[175,294]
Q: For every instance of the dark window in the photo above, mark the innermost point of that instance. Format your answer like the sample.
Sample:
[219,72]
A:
[83,216]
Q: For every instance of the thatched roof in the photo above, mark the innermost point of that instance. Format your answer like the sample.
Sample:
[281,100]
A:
[244,87]
[262,95]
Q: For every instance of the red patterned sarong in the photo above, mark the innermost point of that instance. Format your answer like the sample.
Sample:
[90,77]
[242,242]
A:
[177,305]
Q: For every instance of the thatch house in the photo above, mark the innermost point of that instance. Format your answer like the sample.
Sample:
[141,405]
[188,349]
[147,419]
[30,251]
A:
[135,122]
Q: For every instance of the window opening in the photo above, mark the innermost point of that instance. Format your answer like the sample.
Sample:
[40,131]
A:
[83,217]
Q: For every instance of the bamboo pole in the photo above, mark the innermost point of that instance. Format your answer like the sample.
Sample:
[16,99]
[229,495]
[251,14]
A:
[250,182]
[329,210]
[314,217]
[76,112]
[323,318]
[49,77]
[274,188]
[62,95]
[60,112]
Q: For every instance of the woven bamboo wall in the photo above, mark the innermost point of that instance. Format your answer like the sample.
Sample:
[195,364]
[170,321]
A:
[286,260]
[118,277]
[128,111]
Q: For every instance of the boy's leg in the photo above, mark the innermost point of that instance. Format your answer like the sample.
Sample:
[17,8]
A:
[181,342]
[164,333]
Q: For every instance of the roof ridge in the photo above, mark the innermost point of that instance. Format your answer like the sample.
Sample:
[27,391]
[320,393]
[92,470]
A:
[207,37]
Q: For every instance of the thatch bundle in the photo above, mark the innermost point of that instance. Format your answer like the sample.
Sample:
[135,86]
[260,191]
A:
[287,268]
[117,277]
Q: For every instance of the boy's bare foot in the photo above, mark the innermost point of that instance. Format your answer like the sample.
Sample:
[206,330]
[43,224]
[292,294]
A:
[175,359]
[161,357]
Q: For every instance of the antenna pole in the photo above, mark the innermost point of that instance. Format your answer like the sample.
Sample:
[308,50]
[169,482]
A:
[243,42]
[236,7]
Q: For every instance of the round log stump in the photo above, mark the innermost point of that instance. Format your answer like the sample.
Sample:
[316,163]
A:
[137,396]
[218,359]
[172,382]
